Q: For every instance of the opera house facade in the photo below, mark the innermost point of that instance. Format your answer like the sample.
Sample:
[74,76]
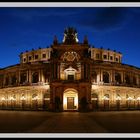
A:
[70,76]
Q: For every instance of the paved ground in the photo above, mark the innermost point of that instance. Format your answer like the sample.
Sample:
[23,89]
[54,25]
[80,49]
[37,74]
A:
[69,122]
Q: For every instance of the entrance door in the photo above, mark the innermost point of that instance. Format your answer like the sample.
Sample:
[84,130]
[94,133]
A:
[70,102]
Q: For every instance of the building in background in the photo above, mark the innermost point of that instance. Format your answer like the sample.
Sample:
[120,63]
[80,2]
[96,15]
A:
[70,76]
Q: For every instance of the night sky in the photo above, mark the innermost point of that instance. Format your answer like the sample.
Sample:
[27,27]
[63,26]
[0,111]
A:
[117,28]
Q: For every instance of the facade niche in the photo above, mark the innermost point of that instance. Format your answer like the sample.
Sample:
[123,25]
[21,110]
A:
[134,80]
[105,77]
[35,77]
[127,79]
[13,80]
[6,81]
[118,78]
[23,78]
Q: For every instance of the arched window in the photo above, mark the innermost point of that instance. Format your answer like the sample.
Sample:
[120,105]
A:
[34,96]
[118,101]
[127,79]
[70,73]
[23,101]
[117,78]
[34,102]
[94,98]
[7,81]
[134,80]
[46,101]
[35,77]
[23,78]
[105,77]
[106,102]
[14,79]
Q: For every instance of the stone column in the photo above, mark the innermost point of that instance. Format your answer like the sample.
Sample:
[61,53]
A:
[137,79]
[42,76]
[111,76]
[4,80]
[121,76]
[30,76]
[39,74]
[18,78]
[58,71]
[27,76]
[82,71]
[101,76]
[131,78]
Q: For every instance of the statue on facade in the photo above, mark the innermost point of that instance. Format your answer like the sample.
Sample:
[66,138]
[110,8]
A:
[70,36]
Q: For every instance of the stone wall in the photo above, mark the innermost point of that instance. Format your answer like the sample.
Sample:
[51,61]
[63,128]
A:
[25,97]
[115,98]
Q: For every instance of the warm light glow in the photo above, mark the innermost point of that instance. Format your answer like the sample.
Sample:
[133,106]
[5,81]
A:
[12,98]
[95,87]
[94,99]
[138,98]
[129,98]
[105,98]
[47,86]
[3,99]
[35,98]
[22,98]
[118,98]
[70,93]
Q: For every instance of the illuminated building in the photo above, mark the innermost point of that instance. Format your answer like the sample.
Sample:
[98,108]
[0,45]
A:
[70,76]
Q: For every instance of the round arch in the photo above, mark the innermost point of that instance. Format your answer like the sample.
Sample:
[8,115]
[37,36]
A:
[70,99]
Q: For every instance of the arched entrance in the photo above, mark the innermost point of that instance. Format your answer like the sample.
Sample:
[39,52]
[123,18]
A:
[70,99]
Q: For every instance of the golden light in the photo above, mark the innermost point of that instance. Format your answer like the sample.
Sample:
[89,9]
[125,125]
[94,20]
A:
[3,99]
[129,98]
[118,98]
[70,93]
[12,98]
[95,87]
[138,99]
[35,98]
[95,99]
[22,98]
[105,98]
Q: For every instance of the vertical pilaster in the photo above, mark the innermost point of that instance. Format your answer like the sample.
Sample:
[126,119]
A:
[30,76]
[18,78]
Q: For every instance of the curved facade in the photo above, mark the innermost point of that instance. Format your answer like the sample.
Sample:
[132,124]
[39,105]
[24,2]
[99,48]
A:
[70,76]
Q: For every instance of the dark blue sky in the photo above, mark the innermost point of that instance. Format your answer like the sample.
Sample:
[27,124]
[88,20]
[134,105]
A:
[25,28]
